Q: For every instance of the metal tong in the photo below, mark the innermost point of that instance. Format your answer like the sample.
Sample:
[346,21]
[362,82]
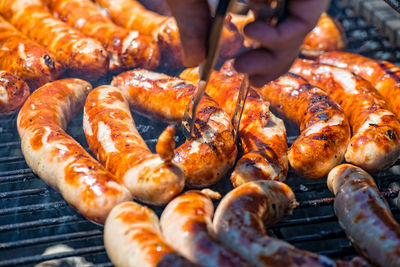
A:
[206,68]
[273,12]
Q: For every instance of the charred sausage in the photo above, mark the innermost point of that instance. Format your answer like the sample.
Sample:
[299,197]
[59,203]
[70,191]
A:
[112,136]
[127,49]
[210,154]
[132,15]
[57,158]
[262,135]
[327,35]
[364,215]
[83,57]
[325,132]
[384,76]
[243,214]
[13,92]
[25,58]
[186,225]
[132,237]
[375,144]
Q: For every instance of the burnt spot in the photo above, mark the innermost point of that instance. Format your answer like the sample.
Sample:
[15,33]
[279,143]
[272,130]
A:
[49,61]
[373,124]
[319,98]
[391,134]
[320,137]
[315,109]
[323,116]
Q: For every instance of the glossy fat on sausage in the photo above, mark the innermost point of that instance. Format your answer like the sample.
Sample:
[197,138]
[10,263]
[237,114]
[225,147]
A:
[13,92]
[83,57]
[26,59]
[112,136]
[211,153]
[325,132]
[186,225]
[127,49]
[384,76]
[57,158]
[132,237]
[327,35]
[241,219]
[375,144]
[365,215]
[132,15]
[262,135]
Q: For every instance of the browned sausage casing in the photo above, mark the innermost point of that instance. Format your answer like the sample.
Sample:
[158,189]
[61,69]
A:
[132,15]
[25,58]
[83,57]
[132,237]
[375,144]
[327,35]
[241,219]
[325,132]
[186,225]
[212,151]
[365,215]
[384,76]
[127,49]
[262,135]
[112,136]
[13,92]
[57,158]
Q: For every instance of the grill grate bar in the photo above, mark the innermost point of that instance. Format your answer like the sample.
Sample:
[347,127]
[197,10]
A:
[315,237]
[11,159]
[13,172]
[307,220]
[41,258]
[53,238]
[22,193]
[34,207]
[40,223]
[340,252]
[14,178]
[9,144]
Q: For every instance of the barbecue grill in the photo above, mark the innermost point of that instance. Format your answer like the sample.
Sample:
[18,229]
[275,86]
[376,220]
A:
[34,217]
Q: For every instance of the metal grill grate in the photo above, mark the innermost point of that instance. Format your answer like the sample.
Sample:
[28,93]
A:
[34,217]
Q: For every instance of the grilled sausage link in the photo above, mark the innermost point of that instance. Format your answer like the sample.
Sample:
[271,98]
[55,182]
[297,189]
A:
[364,215]
[127,49]
[325,131]
[384,76]
[13,92]
[241,219]
[375,144]
[112,136]
[262,135]
[83,57]
[327,35]
[25,58]
[132,15]
[186,225]
[57,158]
[132,237]
[212,151]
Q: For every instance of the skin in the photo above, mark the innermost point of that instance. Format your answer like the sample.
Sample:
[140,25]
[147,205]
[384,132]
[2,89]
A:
[13,92]
[279,45]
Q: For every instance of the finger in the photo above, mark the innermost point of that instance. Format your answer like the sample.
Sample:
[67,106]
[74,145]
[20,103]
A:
[264,62]
[300,20]
[192,17]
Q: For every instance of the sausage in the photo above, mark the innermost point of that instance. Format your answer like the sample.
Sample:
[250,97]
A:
[186,225]
[375,144]
[325,132]
[132,15]
[384,76]
[13,92]
[364,215]
[57,158]
[127,49]
[262,135]
[241,219]
[212,151]
[132,237]
[83,57]
[26,59]
[112,136]
[327,35]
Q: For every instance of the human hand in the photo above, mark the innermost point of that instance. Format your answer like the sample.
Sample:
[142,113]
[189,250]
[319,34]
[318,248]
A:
[278,45]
